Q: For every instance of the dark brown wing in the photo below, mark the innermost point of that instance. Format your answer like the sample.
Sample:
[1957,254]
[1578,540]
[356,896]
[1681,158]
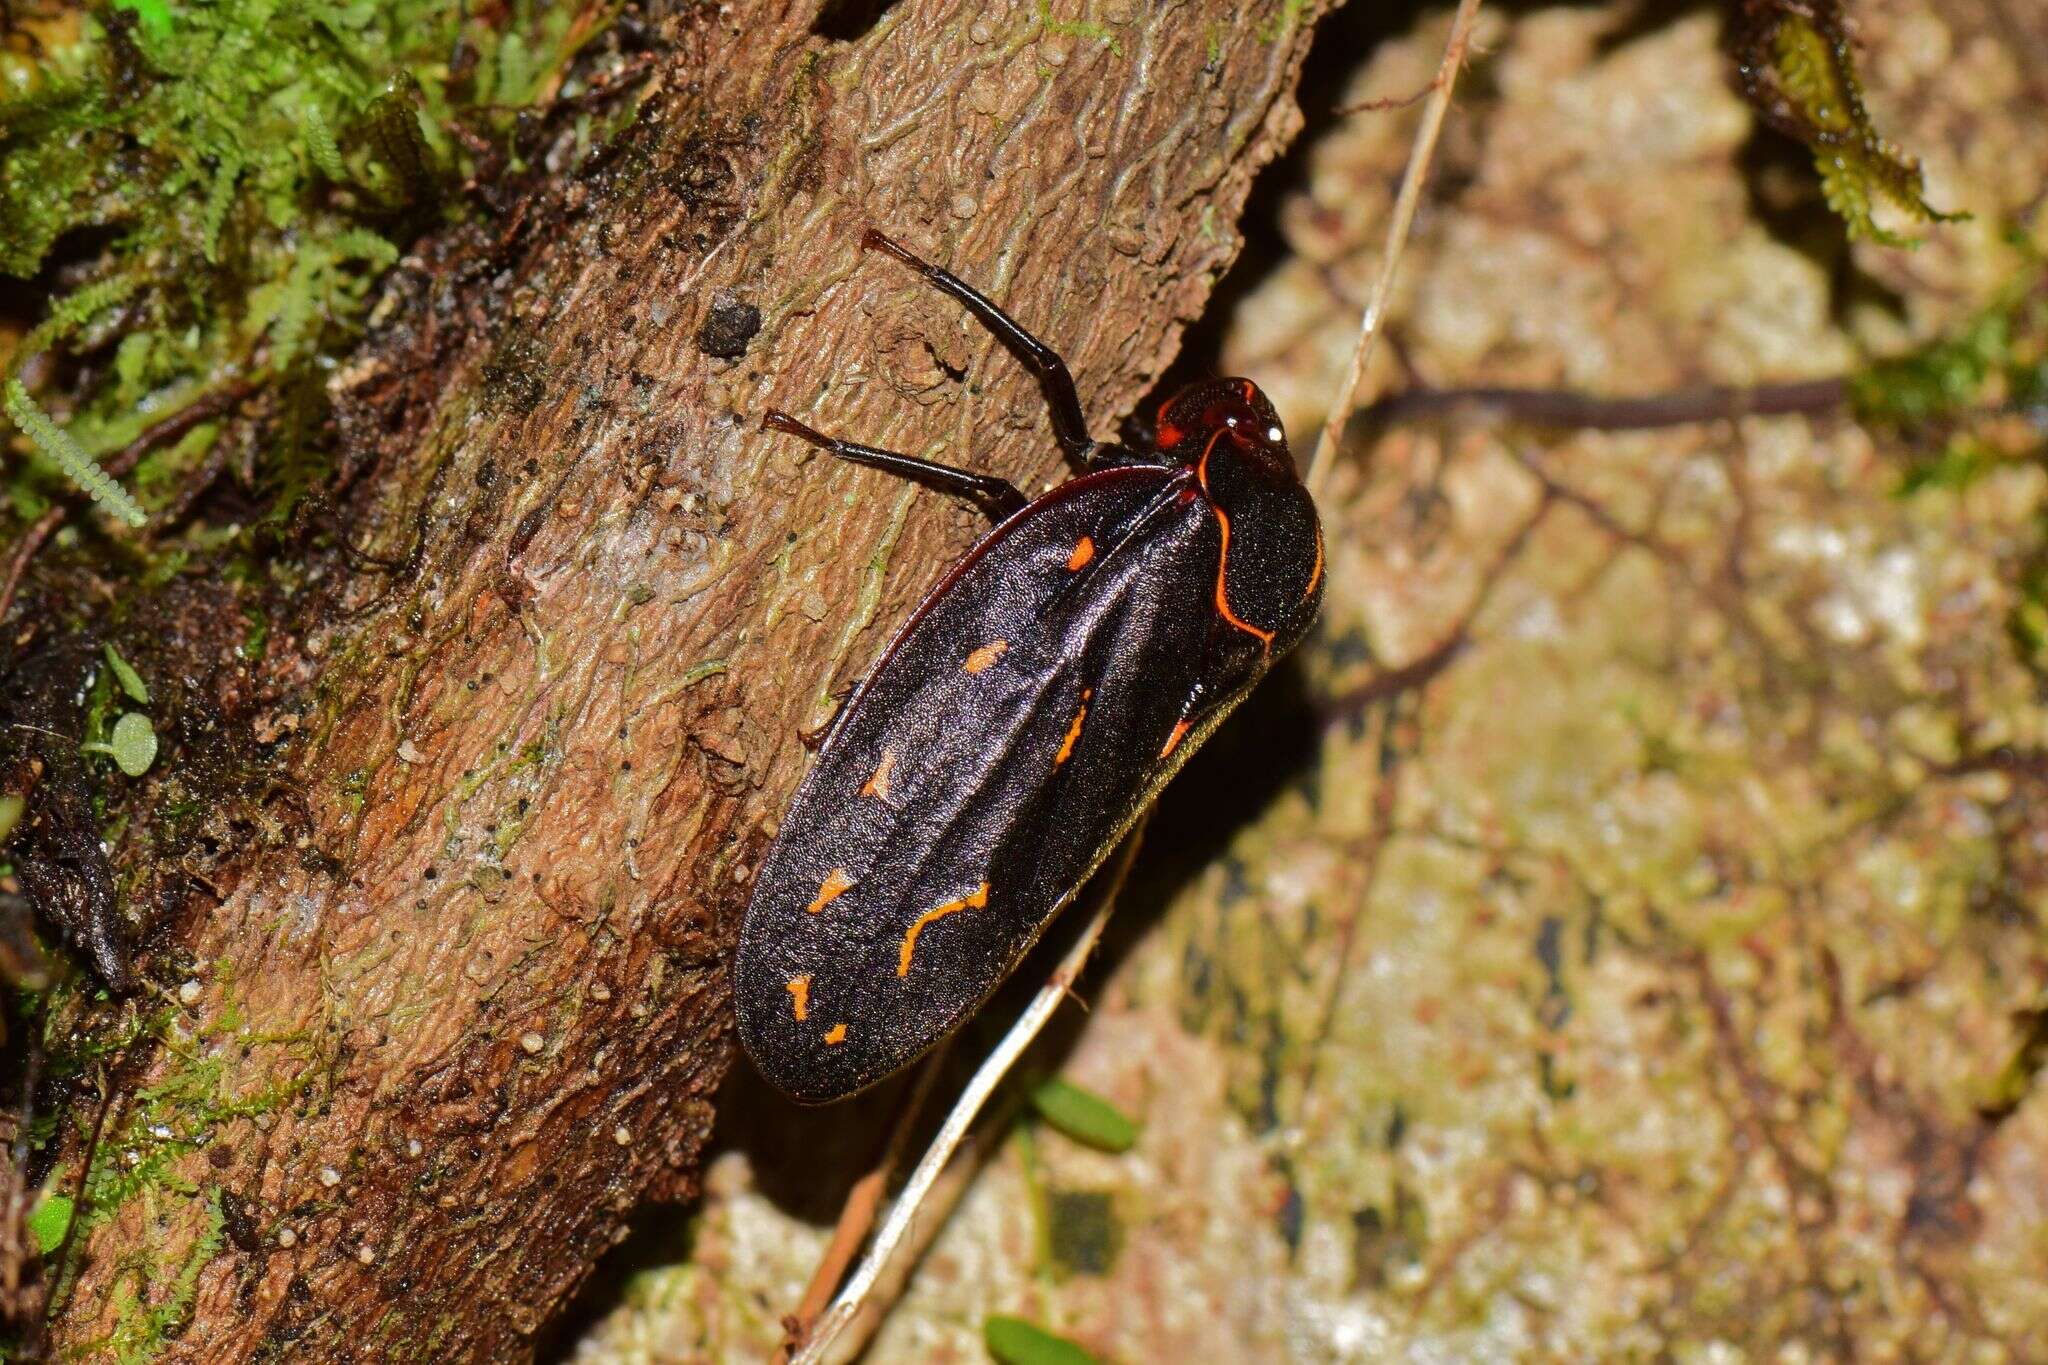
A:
[1004,742]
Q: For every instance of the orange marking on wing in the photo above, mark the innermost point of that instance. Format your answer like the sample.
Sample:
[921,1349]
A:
[985,657]
[1316,575]
[1180,732]
[836,885]
[1073,731]
[1249,389]
[835,1035]
[877,786]
[1084,550]
[799,988]
[937,912]
[1265,637]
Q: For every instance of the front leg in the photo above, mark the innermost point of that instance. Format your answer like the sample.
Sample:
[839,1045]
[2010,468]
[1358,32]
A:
[1069,423]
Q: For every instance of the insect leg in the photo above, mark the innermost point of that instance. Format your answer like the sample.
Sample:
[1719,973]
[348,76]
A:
[997,497]
[1069,423]
[814,739]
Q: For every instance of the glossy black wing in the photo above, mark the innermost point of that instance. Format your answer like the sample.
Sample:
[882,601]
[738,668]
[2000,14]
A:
[990,761]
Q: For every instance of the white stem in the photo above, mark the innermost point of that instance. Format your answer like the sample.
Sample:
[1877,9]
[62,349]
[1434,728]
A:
[1420,154]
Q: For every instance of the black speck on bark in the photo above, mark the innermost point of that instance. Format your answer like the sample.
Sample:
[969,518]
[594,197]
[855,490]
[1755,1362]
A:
[728,327]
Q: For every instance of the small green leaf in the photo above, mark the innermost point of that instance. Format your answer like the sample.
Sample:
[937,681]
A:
[130,680]
[134,746]
[1013,1341]
[1084,1116]
[49,1221]
[12,804]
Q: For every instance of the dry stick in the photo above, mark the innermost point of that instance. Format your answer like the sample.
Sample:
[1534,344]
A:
[30,543]
[982,1141]
[1419,156]
[903,1214]
[858,1214]
[1591,412]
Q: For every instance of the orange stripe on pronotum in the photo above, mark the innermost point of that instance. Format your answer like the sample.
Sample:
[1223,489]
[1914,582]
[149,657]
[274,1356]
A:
[1265,637]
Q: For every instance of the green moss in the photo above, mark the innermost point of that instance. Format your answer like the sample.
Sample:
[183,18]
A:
[1998,357]
[1798,63]
[1084,29]
[226,183]
[1959,408]
[144,1321]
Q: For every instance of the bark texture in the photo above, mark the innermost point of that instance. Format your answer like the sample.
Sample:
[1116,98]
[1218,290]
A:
[1617,935]
[436,1055]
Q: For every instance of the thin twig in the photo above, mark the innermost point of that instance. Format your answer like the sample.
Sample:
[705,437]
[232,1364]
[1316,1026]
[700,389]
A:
[982,1142]
[1419,156]
[30,543]
[1385,104]
[200,409]
[903,1214]
[1591,412]
[857,1216]
[61,1262]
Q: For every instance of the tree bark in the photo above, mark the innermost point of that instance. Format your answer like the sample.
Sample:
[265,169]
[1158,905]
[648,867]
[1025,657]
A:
[441,1047]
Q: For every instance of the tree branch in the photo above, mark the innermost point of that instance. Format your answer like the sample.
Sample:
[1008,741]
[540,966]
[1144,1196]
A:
[446,1037]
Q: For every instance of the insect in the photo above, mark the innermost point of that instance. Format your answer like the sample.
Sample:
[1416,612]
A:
[1023,717]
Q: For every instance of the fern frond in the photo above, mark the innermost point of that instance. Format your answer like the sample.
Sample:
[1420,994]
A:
[220,197]
[321,146]
[58,445]
[295,307]
[74,310]
[361,244]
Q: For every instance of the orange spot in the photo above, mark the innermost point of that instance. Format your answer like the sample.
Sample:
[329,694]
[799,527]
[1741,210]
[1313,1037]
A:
[1315,575]
[878,785]
[1167,435]
[1073,731]
[983,658]
[799,988]
[836,885]
[937,912]
[1180,732]
[835,1035]
[1249,389]
[1084,550]
[1265,637]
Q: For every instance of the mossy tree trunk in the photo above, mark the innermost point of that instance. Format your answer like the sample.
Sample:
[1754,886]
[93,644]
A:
[435,1049]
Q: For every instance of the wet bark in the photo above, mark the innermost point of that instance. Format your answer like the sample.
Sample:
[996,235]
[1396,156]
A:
[443,1041]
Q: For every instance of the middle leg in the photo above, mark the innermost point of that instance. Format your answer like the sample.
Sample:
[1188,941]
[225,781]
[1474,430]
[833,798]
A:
[998,497]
